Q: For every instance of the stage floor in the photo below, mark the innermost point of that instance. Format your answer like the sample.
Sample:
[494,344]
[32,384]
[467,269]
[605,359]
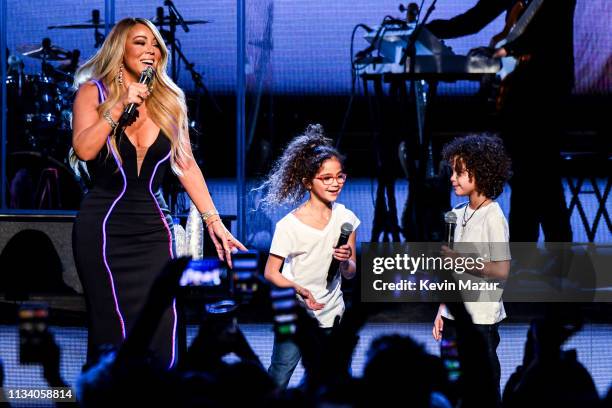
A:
[592,345]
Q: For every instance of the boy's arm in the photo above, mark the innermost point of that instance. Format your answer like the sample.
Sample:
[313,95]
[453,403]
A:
[492,270]
[499,265]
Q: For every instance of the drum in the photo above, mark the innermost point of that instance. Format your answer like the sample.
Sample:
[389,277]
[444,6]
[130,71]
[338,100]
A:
[37,181]
[13,86]
[41,102]
[67,93]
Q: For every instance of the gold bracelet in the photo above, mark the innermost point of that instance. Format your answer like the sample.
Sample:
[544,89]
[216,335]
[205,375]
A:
[207,214]
[109,119]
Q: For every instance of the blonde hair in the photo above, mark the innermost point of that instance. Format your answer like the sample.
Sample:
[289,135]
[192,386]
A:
[166,105]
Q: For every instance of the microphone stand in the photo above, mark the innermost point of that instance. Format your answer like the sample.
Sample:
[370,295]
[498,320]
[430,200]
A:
[95,20]
[173,12]
[174,19]
[410,51]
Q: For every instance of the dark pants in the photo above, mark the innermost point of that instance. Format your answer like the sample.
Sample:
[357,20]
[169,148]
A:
[532,137]
[490,332]
[285,357]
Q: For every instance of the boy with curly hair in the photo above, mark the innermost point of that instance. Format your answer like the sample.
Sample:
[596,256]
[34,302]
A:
[480,168]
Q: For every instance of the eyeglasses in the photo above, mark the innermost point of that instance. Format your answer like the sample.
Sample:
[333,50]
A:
[329,179]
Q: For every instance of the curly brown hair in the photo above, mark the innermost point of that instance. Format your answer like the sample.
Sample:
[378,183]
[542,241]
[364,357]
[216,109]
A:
[484,158]
[301,159]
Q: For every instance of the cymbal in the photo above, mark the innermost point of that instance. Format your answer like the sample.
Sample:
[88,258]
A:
[188,22]
[78,26]
[101,24]
[50,53]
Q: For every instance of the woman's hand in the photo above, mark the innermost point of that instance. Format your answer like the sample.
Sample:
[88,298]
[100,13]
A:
[224,241]
[135,93]
[309,299]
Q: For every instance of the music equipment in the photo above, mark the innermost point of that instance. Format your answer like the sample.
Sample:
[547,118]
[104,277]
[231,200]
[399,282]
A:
[39,181]
[518,18]
[46,51]
[432,56]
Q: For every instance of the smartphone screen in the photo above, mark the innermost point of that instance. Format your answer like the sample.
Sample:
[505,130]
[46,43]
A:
[450,358]
[284,309]
[209,272]
[33,320]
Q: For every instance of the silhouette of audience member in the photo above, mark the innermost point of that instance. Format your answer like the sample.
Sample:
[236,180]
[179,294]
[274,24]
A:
[30,264]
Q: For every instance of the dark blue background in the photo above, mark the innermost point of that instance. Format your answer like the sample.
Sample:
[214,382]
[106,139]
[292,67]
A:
[311,38]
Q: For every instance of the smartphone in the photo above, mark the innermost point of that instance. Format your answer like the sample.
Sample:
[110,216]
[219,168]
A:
[224,311]
[207,272]
[245,274]
[450,358]
[284,310]
[33,332]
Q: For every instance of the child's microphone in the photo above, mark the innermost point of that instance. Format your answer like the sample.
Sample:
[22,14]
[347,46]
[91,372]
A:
[345,233]
[450,218]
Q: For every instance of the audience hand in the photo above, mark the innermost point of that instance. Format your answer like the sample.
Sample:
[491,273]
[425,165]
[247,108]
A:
[438,327]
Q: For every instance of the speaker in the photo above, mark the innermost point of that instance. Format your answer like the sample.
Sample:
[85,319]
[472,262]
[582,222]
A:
[36,255]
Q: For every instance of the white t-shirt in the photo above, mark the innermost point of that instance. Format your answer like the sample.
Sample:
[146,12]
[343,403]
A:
[308,253]
[488,226]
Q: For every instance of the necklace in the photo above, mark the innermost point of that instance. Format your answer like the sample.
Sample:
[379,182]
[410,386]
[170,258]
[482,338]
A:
[464,222]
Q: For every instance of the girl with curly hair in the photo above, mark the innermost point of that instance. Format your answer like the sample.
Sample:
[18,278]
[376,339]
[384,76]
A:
[480,168]
[304,240]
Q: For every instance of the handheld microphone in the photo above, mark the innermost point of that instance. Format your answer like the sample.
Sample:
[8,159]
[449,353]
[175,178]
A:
[146,77]
[345,232]
[450,219]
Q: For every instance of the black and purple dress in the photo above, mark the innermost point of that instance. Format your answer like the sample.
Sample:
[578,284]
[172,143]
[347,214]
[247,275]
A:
[122,238]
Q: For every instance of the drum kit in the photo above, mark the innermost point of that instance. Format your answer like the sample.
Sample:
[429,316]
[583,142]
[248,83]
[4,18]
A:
[39,105]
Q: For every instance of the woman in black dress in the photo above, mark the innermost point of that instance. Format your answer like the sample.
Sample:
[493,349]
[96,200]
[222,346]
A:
[123,234]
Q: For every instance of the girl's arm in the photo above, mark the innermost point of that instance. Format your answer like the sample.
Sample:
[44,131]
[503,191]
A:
[273,275]
[347,254]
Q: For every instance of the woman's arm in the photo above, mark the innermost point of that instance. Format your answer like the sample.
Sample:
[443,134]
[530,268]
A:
[193,181]
[89,129]
[195,185]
